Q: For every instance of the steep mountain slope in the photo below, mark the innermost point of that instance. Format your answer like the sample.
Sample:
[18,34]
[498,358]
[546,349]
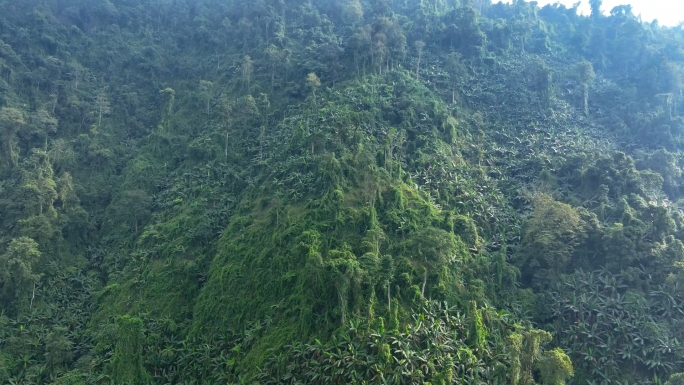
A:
[324,192]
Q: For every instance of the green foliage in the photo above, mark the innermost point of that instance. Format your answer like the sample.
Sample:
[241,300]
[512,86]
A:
[555,367]
[551,235]
[603,308]
[59,348]
[12,120]
[6,364]
[353,11]
[19,273]
[477,334]
[675,379]
[359,353]
[241,192]
[126,366]
[71,379]
[526,353]
[585,72]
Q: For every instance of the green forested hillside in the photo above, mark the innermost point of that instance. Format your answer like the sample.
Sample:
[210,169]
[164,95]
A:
[339,192]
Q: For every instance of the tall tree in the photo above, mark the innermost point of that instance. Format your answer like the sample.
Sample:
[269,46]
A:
[18,273]
[247,71]
[126,365]
[11,120]
[419,49]
[275,59]
[167,113]
[207,93]
[226,108]
[102,106]
[352,12]
[44,124]
[313,82]
[38,184]
[672,78]
[586,76]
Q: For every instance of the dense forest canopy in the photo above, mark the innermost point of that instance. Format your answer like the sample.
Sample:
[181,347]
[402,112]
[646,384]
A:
[339,192]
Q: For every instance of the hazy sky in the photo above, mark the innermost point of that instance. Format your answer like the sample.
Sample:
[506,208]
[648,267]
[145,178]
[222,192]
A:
[668,12]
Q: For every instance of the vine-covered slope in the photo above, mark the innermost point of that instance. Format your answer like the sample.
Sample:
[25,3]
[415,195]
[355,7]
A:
[334,192]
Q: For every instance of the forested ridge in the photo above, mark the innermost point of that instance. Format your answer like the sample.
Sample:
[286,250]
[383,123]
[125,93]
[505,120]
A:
[339,192]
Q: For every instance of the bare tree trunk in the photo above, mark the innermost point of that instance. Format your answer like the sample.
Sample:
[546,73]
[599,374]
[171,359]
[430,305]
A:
[418,67]
[343,306]
[33,296]
[261,144]
[225,149]
[389,298]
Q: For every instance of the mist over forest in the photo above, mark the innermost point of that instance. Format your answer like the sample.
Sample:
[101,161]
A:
[339,192]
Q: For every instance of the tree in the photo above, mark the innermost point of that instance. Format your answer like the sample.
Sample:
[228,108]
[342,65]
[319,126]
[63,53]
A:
[263,106]
[666,164]
[18,273]
[67,191]
[44,123]
[61,154]
[170,95]
[672,79]
[38,184]
[206,90]
[525,351]
[394,40]
[59,348]
[434,248]
[352,12]
[522,27]
[419,49]
[343,268]
[514,345]
[676,379]
[387,272]
[126,365]
[471,40]
[458,72]
[541,80]
[551,234]
[277,59]
[226,108]
[477,334]
[361,47]
[379,50]
[381,7]
[313,82]
[585,72]
[393,142]
[135,207]
[102,106]
[247,70]
[555,367]
[11,119]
